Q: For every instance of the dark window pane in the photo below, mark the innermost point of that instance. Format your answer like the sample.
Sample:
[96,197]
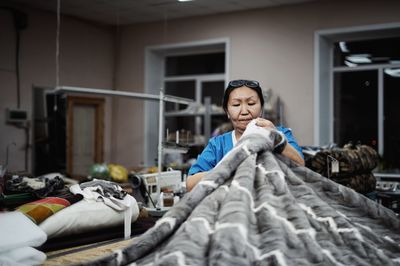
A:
[367,52]
[391,123]
[185,89]
[195,64]
[213,89]
[356,107]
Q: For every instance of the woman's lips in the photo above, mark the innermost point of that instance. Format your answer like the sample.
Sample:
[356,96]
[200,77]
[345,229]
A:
[245,121]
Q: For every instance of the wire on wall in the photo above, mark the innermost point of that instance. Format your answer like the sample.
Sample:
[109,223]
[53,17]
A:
[20,23]
[17,44]
[57,51]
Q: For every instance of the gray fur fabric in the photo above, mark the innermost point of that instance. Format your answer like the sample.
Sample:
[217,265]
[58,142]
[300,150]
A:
[257,208]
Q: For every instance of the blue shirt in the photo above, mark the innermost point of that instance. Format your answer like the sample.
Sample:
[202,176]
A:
[220,145]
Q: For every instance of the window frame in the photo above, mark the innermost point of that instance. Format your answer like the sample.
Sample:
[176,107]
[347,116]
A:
[324,70]
[155,78]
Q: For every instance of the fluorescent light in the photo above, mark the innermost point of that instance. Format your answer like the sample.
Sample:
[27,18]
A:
[359,58]
[349,64]
[343,47]
[394,72]
[185,0]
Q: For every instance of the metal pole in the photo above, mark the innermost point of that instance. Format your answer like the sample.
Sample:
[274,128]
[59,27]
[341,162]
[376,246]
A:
[207,118]
[160,137]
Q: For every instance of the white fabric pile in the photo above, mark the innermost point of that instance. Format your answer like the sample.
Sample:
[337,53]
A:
[18,237]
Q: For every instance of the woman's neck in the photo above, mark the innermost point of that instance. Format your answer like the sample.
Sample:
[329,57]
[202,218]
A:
[238,134]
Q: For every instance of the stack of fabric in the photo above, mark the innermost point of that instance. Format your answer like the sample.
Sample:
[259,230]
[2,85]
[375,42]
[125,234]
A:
[350,166]
[19,236]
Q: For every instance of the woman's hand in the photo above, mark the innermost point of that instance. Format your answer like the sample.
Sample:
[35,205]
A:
[288,151]
[261,122]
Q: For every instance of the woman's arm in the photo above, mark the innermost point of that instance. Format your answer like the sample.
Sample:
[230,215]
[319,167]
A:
[293,154]
[192,180]
[289,151]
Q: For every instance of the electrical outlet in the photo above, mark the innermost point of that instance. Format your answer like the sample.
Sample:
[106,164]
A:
[16,116]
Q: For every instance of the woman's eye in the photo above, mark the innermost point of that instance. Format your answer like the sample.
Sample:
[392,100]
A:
[252,103]
[235,104]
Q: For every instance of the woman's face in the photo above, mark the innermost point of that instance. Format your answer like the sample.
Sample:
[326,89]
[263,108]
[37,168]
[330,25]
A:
[243,106]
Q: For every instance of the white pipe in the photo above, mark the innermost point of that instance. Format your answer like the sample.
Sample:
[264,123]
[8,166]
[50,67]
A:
[167,98]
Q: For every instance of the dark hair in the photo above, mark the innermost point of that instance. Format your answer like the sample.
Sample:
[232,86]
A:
[234,84]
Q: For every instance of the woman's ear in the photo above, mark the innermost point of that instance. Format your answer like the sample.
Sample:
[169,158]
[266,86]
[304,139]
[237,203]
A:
[227,114]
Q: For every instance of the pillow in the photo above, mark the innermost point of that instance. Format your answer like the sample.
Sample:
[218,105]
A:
[22,256]
[84,216]
[16,230]
[41,209]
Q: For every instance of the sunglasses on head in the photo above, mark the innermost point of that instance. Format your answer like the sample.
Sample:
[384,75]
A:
[243,82]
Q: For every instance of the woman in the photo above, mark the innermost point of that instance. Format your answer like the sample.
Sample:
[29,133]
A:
[243,101]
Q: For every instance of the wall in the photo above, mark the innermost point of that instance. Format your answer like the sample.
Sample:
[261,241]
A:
[86,59]
[274,46]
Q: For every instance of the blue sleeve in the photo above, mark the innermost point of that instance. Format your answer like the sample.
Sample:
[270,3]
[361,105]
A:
[206,160]
[290,138]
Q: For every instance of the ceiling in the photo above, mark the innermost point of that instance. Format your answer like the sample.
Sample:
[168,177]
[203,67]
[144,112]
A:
[124,12]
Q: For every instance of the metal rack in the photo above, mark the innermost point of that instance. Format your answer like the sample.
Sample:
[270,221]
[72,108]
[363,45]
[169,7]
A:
[207,116]
[161,98]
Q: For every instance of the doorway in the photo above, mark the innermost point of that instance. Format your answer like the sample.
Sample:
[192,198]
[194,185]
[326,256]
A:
[68,133]
[85,134]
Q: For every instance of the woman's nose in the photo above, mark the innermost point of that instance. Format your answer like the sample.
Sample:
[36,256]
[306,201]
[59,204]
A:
[244,109]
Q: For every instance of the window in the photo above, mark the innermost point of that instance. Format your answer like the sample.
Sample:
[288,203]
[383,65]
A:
[366,96]
[196,77]
[192,70]
[196,64]
[356,107]
[391,148]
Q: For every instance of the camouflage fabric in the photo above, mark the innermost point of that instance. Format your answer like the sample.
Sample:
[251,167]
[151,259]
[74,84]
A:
[355,165]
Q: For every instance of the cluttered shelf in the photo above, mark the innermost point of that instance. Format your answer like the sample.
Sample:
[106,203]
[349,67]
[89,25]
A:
[66,213]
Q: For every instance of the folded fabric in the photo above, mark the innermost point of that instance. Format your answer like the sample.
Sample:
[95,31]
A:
[40,210]
[22,257]
[105,188]
[101,190]
[67,195]
[18,233]
[39,186]
[17,230]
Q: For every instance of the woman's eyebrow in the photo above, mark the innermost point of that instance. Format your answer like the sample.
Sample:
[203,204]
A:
[243,97]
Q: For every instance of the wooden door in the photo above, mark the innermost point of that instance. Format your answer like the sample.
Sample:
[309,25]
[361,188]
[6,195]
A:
[85,133]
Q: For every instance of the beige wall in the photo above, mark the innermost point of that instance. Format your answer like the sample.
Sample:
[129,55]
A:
[86,59]
[274,46]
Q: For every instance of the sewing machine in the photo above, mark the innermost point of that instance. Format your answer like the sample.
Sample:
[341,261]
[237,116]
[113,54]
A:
[154,184]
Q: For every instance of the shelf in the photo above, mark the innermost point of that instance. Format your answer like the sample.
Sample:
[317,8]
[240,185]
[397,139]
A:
[197,109]
[180,113]
[172,147]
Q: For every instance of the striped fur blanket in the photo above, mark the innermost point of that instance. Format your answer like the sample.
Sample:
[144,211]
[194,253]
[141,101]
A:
[258,208]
